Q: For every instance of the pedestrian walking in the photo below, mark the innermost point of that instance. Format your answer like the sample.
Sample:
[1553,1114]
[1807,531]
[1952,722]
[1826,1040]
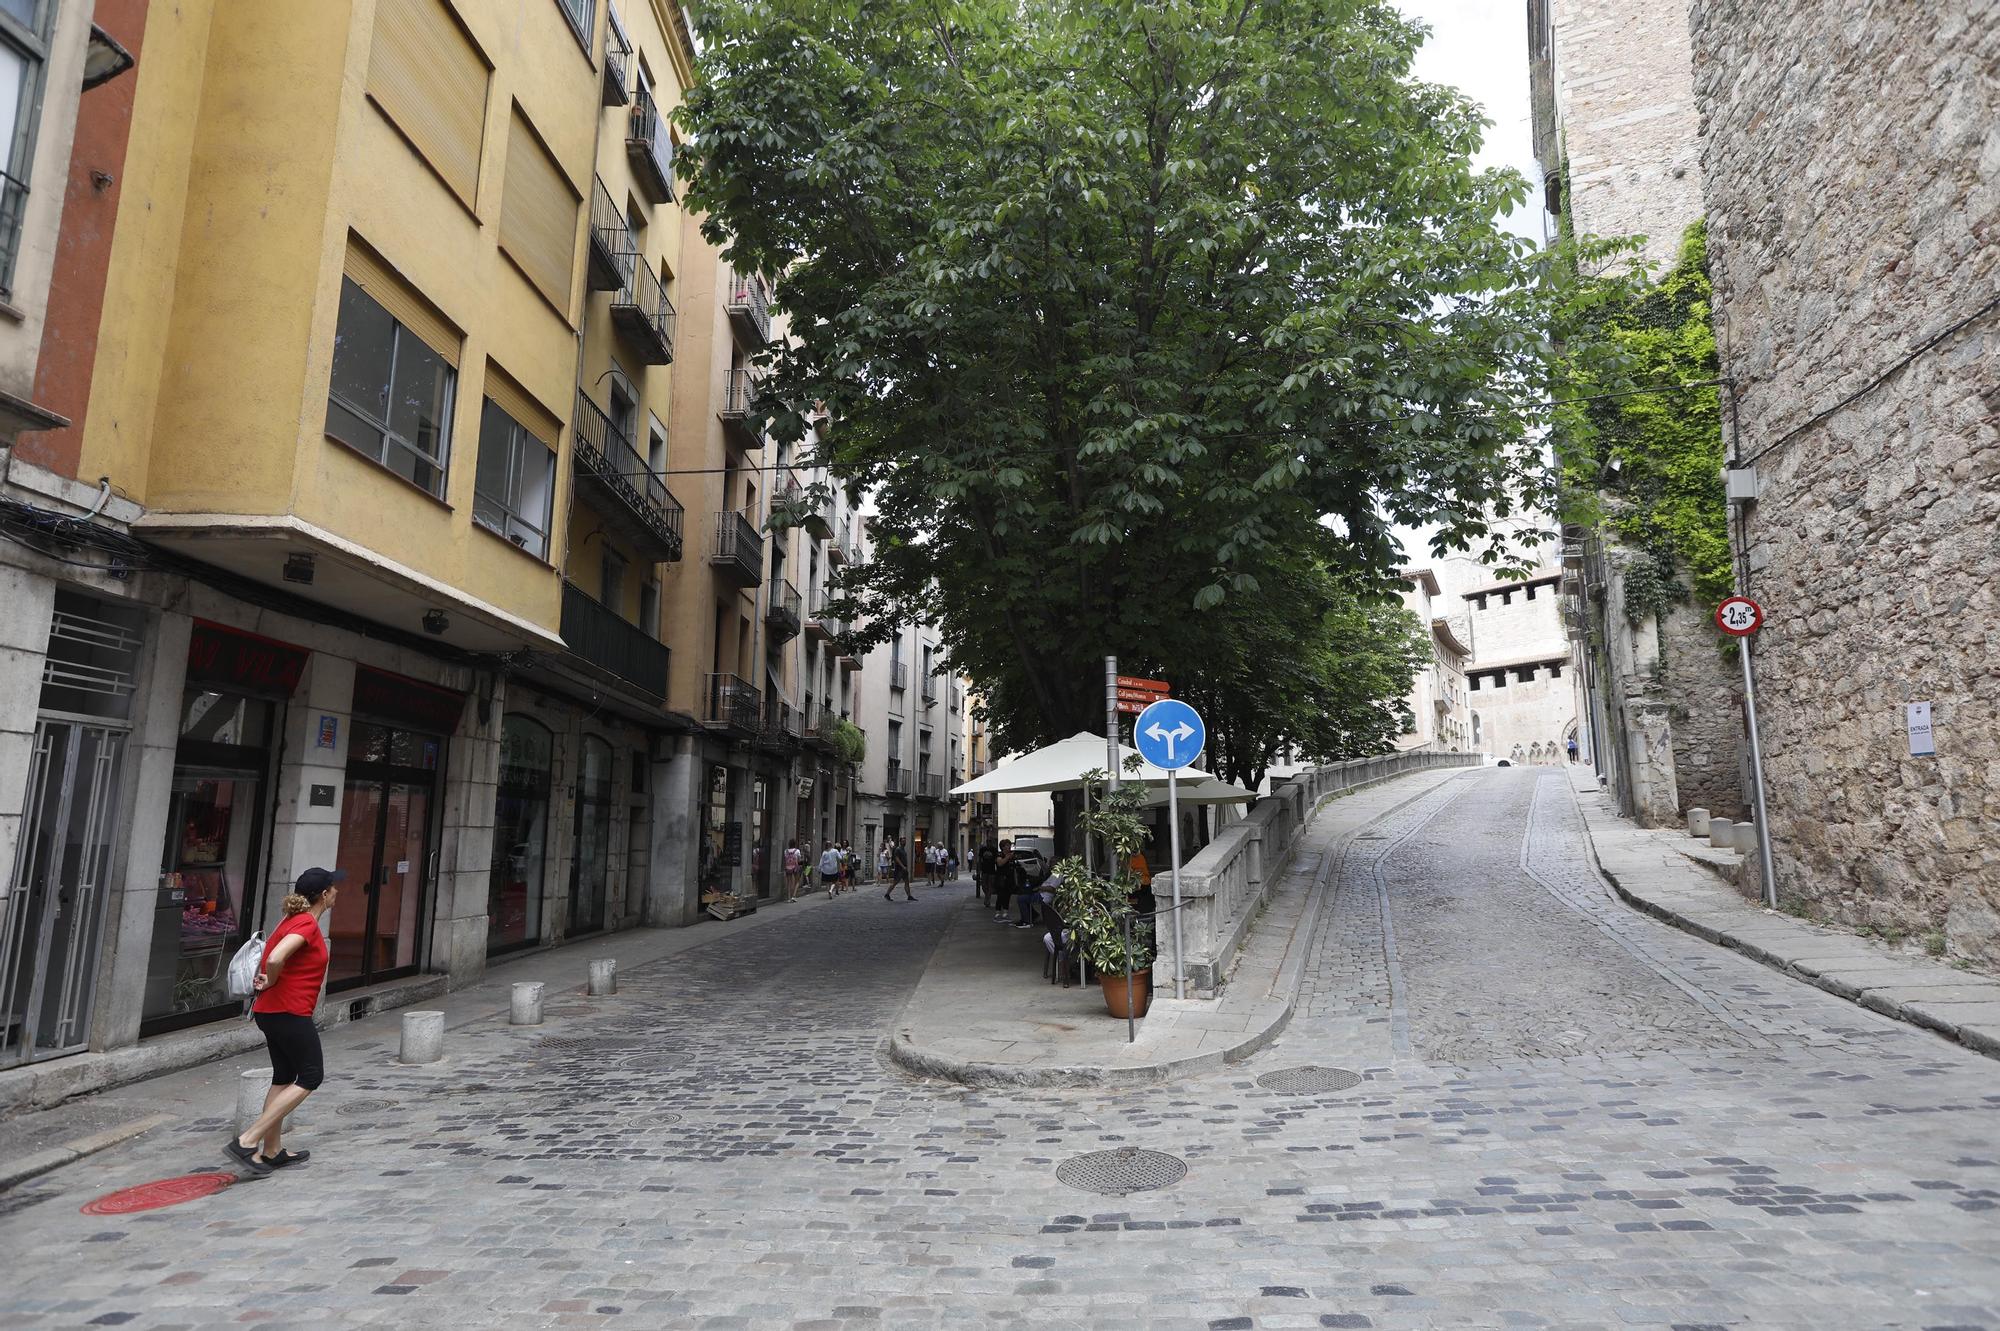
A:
[1006,880]
[829,869]
[951,865]
[1572,748]
[882,862]
[289,977]
[794,869]
[982,872]
[899,872]
[848,867]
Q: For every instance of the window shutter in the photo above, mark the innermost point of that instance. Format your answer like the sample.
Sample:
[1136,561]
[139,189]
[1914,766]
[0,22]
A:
[529,414]
[430,80]
[538,214]
[405,306]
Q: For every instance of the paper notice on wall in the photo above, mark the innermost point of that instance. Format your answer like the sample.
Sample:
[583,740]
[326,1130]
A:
[1922,743]
[402,866]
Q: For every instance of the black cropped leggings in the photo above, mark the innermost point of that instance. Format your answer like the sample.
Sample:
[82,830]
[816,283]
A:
[294,1044]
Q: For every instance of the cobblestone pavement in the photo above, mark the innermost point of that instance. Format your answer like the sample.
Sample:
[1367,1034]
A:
[1567,1115]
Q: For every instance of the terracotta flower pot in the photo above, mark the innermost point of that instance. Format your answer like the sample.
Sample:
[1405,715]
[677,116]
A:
[1114,992]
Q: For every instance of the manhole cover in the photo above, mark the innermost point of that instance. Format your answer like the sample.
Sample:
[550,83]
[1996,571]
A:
[363,1108]
[589,1044]
[1309,1081]
[1127,1169]
[161,1192]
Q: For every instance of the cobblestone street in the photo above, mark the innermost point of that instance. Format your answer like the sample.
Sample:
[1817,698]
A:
[1568,1115]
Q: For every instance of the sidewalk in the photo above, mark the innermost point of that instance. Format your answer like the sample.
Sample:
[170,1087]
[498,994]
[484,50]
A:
[37,1141]
[984,1015]
[1668,874]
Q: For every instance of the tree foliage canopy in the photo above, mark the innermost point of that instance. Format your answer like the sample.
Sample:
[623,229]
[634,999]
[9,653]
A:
[1143,321]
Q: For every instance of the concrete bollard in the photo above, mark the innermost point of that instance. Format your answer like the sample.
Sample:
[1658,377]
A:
[1697,822]
[423,1038]
[1745,838]
[603,977]
[251,1088]
[525,1004]
[1721,834]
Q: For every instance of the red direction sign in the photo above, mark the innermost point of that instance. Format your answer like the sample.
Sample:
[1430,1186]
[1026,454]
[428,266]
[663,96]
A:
[1139,695]
[1126,708]
[1739,616]
[1137,683]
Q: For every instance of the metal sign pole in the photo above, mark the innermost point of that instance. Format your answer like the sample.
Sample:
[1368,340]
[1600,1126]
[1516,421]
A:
[1757,776]
[1131,1020]
[1174,840]
[1111,720]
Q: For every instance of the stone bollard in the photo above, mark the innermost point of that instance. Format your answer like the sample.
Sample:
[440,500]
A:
[603,977]
[1697,822]
[423,1037]
[525,1004]
[251,1088]
[1721,834]
[1745,838]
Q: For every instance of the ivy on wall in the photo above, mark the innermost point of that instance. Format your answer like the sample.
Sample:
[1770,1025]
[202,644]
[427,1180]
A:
[1653,461]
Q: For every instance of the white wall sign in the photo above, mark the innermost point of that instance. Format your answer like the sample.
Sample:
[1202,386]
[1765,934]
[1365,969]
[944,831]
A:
[1922,743]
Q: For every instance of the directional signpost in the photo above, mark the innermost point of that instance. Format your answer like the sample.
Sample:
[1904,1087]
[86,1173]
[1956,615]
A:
[1170,734]
[1740,617]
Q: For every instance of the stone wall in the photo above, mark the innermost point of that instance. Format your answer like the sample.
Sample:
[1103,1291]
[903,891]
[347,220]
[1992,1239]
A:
[1705,687]
[1852,156]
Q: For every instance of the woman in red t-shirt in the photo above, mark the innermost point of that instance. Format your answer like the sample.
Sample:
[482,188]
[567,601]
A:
[288,985]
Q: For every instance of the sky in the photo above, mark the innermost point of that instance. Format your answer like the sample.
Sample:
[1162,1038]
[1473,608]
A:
[1480,47]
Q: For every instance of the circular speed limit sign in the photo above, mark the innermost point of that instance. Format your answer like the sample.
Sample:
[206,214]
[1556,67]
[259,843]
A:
[1739,616]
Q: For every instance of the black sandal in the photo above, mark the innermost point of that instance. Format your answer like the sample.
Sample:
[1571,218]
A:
[247,1157]
[285,1159]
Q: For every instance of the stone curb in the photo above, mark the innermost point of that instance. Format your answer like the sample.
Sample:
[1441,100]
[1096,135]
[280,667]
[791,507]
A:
[1284,995]
[55,1157]
[1980,1039]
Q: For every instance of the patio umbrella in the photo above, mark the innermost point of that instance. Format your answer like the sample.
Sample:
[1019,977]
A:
[1061,766]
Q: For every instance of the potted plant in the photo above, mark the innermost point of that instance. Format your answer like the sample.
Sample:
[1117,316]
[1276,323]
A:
[1098,908]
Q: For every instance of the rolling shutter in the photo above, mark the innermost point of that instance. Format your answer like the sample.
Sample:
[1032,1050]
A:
[430,80]
[367,271]
[538,214]
[529,414]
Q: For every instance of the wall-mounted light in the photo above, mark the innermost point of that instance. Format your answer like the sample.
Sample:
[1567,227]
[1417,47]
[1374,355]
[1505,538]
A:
[103,58]
[435,622]
[299,568]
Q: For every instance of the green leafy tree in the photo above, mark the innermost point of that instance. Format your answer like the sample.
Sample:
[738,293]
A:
[1121,305]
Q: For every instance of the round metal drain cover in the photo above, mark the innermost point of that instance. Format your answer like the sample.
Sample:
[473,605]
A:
[1309,1081]
[568,1045]
[363,1108]
[1127,1169]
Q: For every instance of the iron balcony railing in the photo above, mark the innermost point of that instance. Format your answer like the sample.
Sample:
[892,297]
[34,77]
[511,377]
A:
[823,625]
[616,90]
[739,549]
[782,614]
[930,689]
[899,675]
[836,550]
[781,719]
[749,306]
[957,698]
[930,787]
[897,781]
[649,148]
[611,247]
[739,400]
[631,495]
[728,700]
[642,311]
[597,634]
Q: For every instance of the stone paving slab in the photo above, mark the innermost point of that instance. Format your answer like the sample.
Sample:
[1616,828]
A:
[983,1015]
[1640,865]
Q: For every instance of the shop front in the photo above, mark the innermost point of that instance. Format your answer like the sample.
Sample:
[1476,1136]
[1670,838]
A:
[590,865]
[218,821]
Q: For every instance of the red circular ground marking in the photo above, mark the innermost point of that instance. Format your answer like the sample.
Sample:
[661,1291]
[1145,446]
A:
[161,1192]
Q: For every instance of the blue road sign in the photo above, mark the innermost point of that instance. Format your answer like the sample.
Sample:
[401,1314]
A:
[1169,734]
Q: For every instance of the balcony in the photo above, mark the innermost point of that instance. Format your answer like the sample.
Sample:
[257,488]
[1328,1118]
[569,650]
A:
[739,550]
[929,787]
[782,723]
[649,148]
[822,626]
[616,52]
[847,660]
[899,675]
[836,551]
[738,402]
[781,616]
[599,635]
[749,306]
[957,698]
[642,312]
[820,734]
[897,782]
[729,702]
[611,247]
[615,480]
[930,688]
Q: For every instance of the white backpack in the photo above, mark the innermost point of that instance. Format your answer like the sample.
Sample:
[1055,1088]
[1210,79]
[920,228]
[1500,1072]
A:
[243,967]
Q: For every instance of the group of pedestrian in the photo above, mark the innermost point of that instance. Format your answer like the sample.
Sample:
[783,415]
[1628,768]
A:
[1002,879]
[940,864]
[838,866]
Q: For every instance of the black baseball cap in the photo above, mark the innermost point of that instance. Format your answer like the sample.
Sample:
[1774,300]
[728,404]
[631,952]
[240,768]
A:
[313,883]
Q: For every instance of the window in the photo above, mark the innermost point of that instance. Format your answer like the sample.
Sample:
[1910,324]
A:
[580,17]
[624,411]
[24,50]
[649,607]
[613,574]
[656,447]
[514,486]
[390,398]
[430,80]
[538,215]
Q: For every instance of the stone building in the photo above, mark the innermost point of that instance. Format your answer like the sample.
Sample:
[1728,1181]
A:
[1853,202]
[1439,716]
[1616,138]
